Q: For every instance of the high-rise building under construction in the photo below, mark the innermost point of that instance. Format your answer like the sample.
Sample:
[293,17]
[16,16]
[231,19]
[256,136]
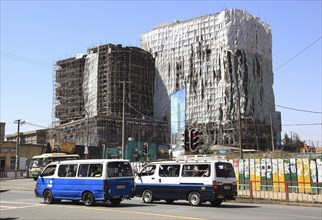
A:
[91,92]
[224,62]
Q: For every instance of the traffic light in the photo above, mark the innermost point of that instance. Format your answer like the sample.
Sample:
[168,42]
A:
[201,138]
[194,140]
[184,140]
[145,148]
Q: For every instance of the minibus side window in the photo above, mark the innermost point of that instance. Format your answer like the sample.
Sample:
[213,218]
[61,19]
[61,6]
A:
[169,170]
[90,170]
[71,170]
[196,170]
[83,170]
[62,171]
[95,170]
[67,170]
[49,171]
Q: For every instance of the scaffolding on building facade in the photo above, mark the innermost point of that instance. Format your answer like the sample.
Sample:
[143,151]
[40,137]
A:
[221,60]
[88,94]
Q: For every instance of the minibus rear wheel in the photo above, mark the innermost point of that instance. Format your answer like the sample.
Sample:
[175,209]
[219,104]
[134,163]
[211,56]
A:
[147,196]
[48,197]
[88,199]
[194,199]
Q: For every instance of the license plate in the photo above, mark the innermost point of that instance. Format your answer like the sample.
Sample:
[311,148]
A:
[220,197]
[120,187]
[227,187]
[121,196]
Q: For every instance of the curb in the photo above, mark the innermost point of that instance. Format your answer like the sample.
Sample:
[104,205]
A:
[280,202]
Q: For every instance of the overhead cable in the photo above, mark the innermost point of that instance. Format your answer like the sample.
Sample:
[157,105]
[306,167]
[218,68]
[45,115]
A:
[25,59]
[301,124]
[289,60]
[300,110]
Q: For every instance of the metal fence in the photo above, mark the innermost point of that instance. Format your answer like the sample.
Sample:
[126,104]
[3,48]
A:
[309,192]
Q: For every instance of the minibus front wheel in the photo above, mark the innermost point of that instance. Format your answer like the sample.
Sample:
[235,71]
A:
[147,196]
[88,198]
[48,197]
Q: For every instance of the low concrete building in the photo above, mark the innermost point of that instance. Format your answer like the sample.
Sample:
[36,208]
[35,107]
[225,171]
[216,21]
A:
[30,137]
[8,157]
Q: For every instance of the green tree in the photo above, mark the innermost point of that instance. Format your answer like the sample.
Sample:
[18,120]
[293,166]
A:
[293,144]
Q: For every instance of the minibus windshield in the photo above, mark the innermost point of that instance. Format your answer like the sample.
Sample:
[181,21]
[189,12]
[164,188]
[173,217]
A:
[36,163]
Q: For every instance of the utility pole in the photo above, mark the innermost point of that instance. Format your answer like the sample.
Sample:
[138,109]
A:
[87,134]
[19,122]
[239,127]
[272,133]
[123,119]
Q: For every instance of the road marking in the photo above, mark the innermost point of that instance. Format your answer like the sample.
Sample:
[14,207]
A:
[17,202]
[27,205]
[140,213]
[4,207]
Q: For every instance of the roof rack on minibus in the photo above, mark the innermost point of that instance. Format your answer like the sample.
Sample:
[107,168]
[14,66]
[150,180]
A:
[199,158]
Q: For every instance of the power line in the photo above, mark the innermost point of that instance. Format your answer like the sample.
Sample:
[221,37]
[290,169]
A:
[289,60]
[300,110]
[145,116]
[25,59]
[301,124]
[28,123]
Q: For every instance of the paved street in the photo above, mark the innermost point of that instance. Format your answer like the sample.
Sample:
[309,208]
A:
[18,201]
[23,184]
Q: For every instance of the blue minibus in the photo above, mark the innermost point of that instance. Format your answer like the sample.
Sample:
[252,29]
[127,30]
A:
[87,180]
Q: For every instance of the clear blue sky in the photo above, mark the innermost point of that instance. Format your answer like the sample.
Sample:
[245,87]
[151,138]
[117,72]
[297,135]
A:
[35,34]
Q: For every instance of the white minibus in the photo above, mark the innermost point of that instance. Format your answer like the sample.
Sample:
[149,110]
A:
[39,162]
[195,180]
[86,180]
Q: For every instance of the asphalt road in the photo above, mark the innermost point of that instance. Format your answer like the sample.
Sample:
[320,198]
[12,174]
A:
[17,201]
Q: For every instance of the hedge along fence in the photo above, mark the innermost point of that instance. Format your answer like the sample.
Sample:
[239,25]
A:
[301,174]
